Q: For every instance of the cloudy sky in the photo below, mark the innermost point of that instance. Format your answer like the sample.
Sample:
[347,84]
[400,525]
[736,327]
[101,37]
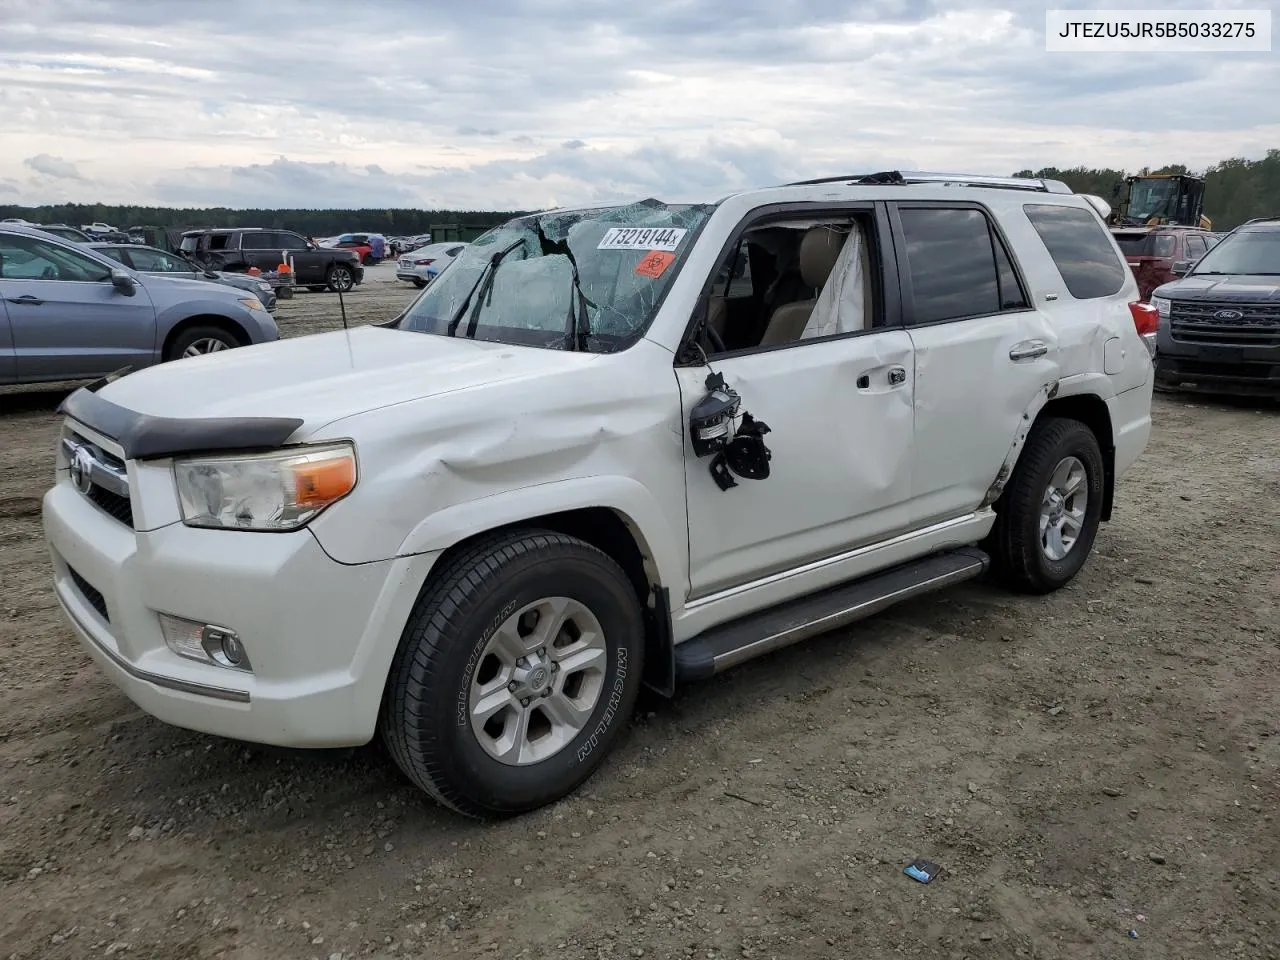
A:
[535,103]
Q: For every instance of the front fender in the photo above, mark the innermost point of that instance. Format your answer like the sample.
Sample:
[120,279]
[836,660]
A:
[631,500]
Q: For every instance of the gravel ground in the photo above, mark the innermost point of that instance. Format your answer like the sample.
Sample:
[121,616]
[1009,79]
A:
[1095,770]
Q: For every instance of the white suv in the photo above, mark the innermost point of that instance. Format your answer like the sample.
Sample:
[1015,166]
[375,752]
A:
[608,447]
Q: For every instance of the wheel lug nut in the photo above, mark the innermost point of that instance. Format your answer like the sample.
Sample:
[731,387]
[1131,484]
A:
[524,702]
[555,668]
[542,651]
[512,686]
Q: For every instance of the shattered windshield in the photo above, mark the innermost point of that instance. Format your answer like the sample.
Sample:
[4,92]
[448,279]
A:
[578,280]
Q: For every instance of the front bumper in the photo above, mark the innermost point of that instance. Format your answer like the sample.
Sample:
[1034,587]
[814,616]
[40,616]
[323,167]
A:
[320,635]
[1211,369]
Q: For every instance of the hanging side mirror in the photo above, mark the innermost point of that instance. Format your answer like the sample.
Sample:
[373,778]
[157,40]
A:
[711,420]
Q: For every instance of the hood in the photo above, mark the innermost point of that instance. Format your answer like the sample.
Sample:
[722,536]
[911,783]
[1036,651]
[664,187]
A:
[197,286]
[1244,288]
[327,376]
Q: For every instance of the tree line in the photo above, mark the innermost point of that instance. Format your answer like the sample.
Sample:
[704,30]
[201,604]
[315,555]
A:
[312,223]
[1236,190]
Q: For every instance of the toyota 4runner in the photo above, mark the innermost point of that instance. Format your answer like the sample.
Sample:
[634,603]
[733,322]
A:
[608,447]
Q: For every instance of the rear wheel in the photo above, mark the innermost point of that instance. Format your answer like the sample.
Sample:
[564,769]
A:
[196,341]
[515,675]
[419,282]
[341,278]
[1049,514]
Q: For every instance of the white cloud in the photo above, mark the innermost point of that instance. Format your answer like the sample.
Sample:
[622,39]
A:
[530,103]
[54,167]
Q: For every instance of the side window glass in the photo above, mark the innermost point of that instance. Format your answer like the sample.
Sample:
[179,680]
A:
[26,258]
[219,241]
[1080,248]
[789,281]
[952,264]
[287,241]
[1012,296]
[257,241]
[1164,245]
[1195,248]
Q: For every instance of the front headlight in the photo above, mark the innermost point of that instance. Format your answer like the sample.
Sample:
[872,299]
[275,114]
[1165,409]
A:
[273,491]
[252,303]
[1162,306]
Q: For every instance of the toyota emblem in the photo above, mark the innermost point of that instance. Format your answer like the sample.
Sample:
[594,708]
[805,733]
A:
[1228,316]
[82,470]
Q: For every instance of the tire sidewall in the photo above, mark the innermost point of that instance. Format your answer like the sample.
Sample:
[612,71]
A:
[1081,444]
[611,600]
[188,337]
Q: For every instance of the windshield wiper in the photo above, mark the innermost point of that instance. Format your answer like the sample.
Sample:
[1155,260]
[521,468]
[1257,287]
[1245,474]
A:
[486,278]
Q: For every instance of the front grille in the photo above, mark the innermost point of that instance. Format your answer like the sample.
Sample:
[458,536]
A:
[91,594]
[113,504]
[1257,326]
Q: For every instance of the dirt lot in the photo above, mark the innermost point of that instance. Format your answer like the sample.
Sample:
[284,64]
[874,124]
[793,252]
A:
[1084,765]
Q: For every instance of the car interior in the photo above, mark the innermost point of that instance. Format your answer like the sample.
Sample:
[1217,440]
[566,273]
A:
[793,280]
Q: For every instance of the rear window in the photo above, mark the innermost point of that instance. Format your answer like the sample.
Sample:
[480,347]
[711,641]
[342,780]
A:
[1081,249]
[1144,244]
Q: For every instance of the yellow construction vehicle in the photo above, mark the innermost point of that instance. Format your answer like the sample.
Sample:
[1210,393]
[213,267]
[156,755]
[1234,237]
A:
[1160,199]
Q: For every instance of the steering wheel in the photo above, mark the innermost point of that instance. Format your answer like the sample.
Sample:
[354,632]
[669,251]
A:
[714,336]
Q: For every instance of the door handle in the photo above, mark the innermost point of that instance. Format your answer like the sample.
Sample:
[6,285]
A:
[26,299]
[897,376]
[1028,350]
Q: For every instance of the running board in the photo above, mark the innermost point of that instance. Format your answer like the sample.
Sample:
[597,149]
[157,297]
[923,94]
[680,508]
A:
[754,635]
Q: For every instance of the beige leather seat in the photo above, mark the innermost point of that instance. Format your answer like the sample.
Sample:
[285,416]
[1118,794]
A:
[819,253]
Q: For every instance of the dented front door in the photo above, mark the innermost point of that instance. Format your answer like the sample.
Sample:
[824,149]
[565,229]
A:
[839,414]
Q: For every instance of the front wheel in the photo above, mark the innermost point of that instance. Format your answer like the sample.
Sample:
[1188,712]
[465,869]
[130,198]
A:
[515,675]
[340,278]
[197,341]
[1048,516]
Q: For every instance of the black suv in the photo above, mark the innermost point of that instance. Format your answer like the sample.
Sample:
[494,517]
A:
[1219,326]
[236,250]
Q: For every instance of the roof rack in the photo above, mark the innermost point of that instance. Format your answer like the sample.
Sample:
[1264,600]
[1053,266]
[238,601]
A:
[897,177]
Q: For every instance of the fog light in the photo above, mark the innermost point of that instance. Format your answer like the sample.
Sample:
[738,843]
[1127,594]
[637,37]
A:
[205,642]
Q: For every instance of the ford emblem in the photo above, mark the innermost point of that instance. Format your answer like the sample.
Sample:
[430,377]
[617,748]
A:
[82,470]
[1228,316]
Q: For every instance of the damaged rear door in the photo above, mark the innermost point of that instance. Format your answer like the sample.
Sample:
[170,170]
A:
[983,353]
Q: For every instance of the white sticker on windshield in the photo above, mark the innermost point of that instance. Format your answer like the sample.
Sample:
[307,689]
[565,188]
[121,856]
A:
[642,238]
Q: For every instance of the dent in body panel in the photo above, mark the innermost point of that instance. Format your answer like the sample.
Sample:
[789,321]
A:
[1042,397]
[437,470]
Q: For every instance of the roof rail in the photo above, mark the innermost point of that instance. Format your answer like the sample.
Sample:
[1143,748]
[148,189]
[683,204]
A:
[897,177]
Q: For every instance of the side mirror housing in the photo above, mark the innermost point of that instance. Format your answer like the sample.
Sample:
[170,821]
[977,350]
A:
[123,283]
[1181,268]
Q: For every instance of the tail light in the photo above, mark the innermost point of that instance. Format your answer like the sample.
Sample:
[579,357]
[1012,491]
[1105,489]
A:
[1146,318]
[423,263]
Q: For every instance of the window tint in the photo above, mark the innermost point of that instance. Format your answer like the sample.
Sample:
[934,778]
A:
[1195,248]
[220,241]
[284,240]
[257,240]
[958,267]
[26,258]
[1164,245]
[1081,249]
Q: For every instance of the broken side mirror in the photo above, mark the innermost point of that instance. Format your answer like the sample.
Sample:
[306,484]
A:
[711,426]
[711,420]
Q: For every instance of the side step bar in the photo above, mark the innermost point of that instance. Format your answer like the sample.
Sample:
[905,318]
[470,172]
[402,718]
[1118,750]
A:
[754,635]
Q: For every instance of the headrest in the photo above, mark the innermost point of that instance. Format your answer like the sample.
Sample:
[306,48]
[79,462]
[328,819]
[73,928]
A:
[819,252]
